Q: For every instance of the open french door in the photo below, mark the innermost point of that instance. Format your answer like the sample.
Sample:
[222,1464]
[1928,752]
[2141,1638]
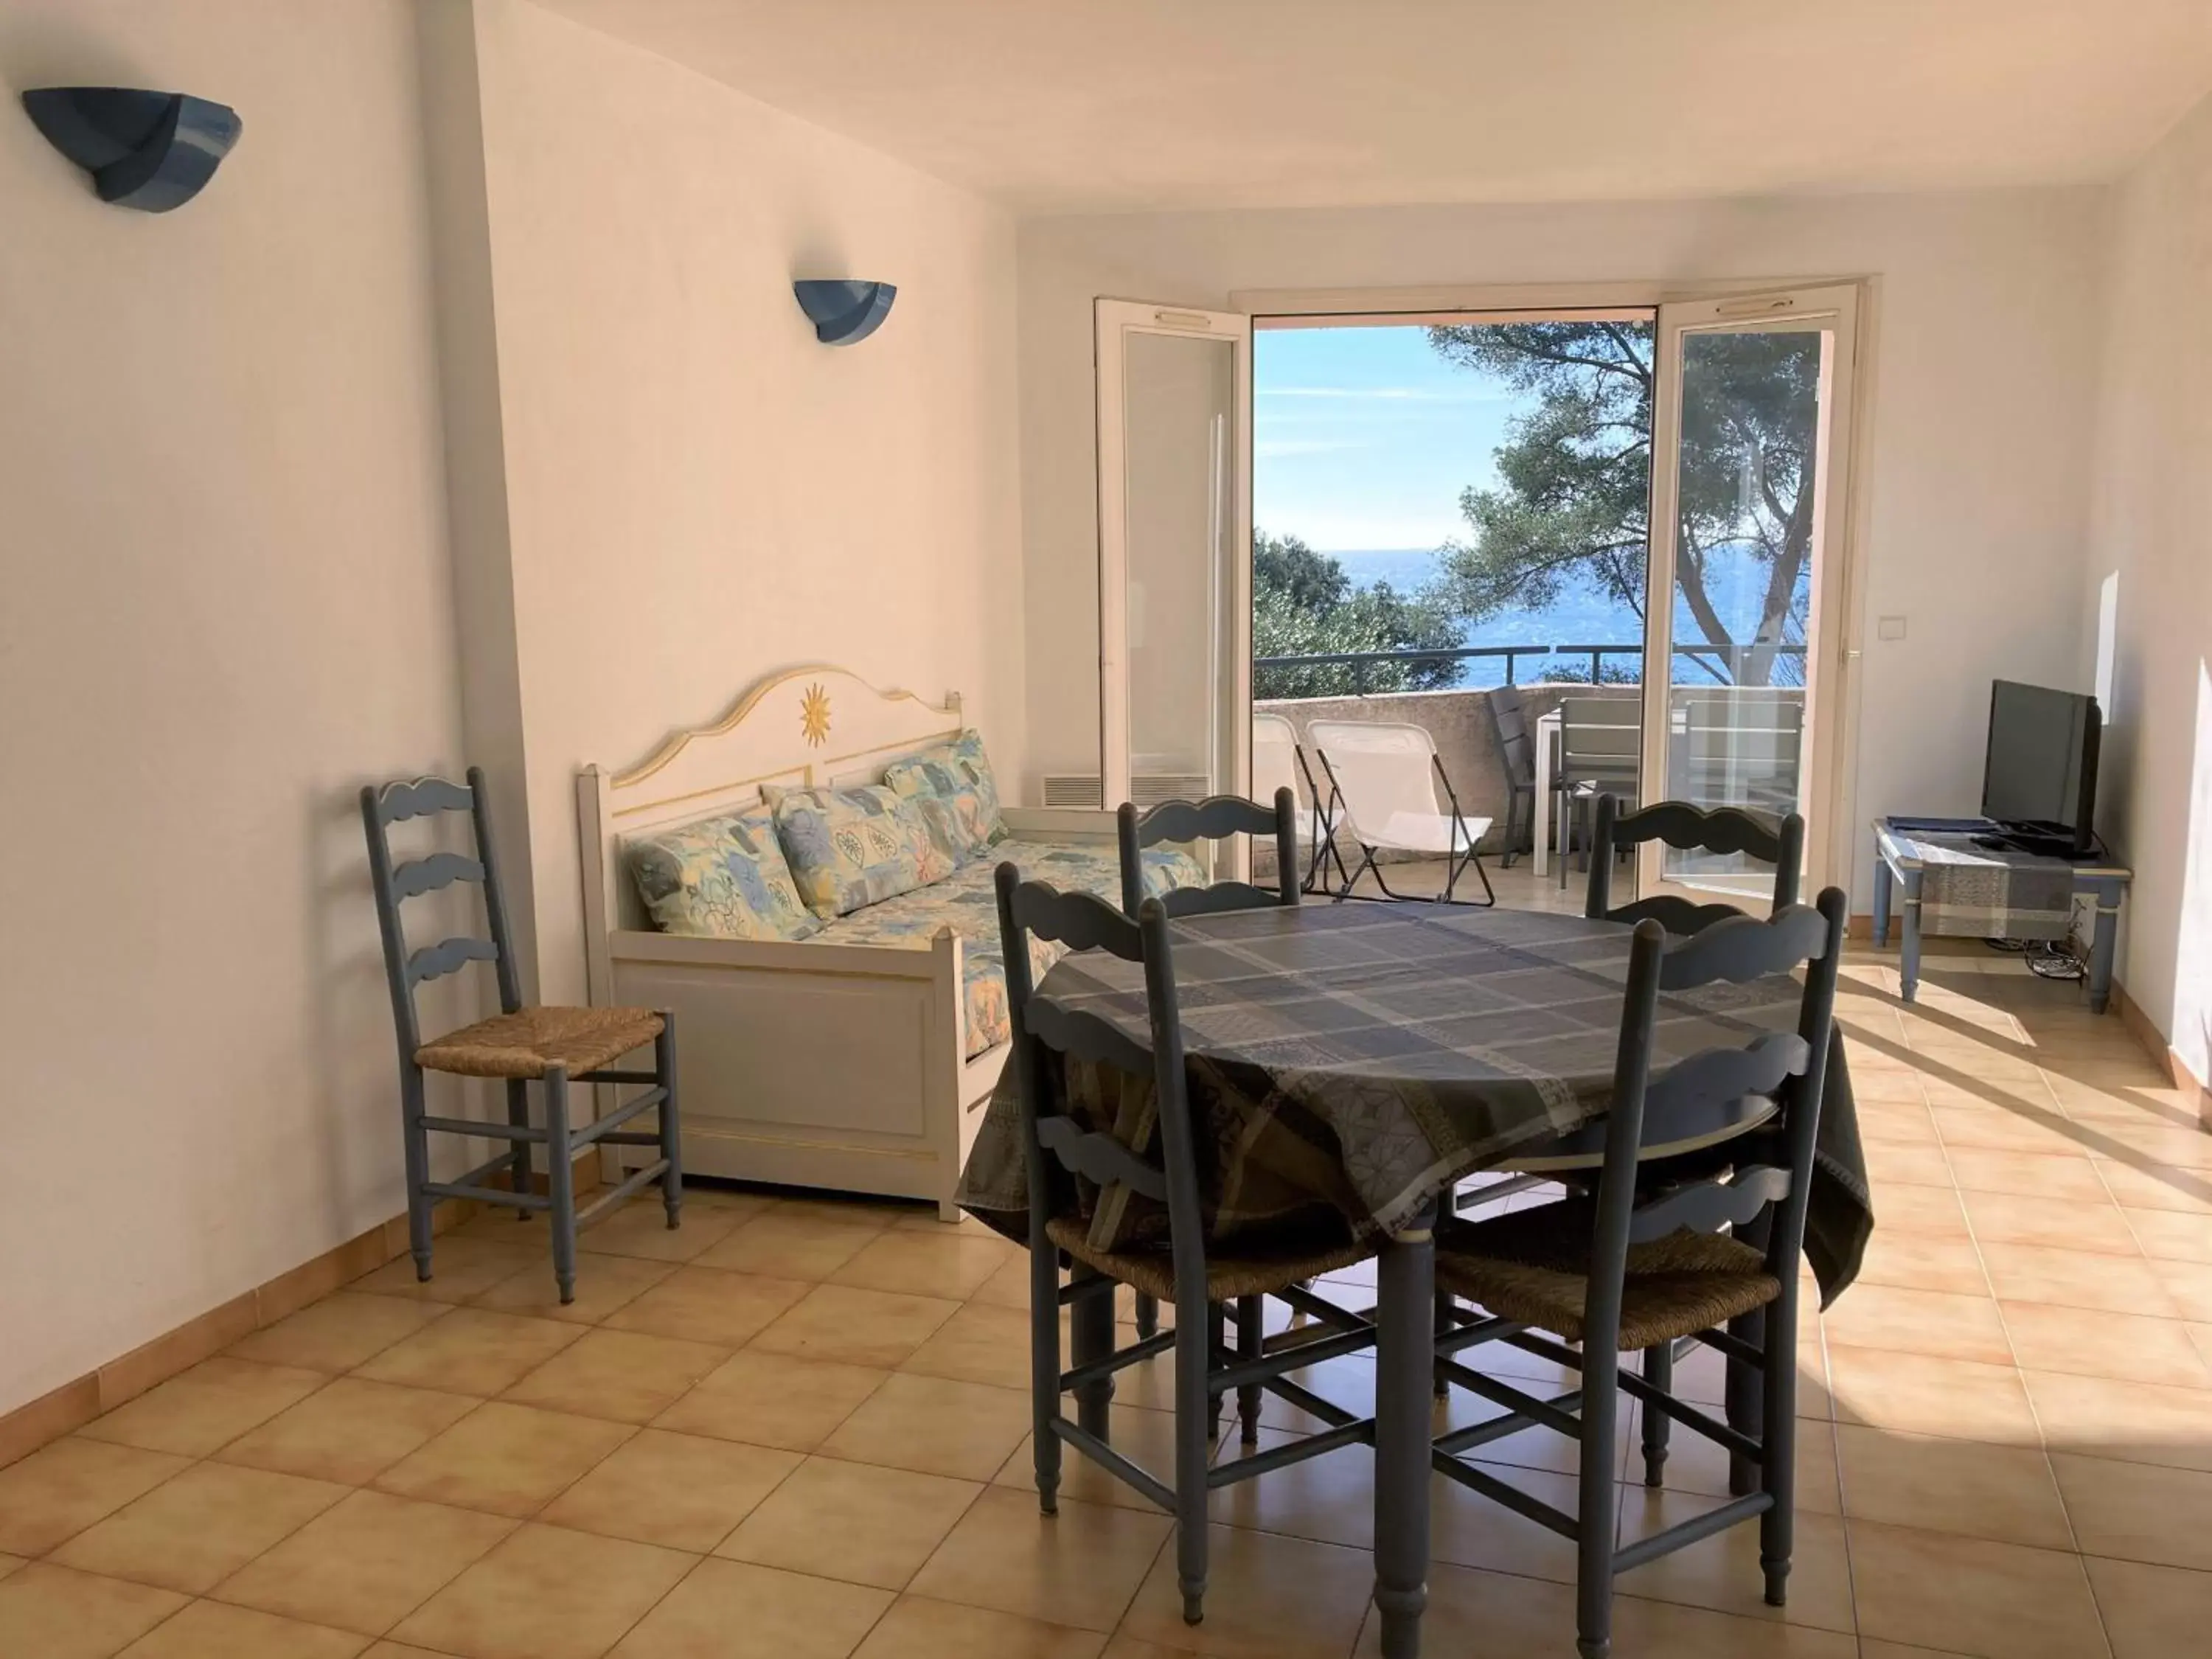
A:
[1751,708]
[1175,551]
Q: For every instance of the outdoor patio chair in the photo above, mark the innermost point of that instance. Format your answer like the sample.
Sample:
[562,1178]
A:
[1600,751]
[1386,775]
[1516,760]
[1278,762]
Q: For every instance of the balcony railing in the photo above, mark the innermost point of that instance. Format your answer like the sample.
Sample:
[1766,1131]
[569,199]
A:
[1723,662]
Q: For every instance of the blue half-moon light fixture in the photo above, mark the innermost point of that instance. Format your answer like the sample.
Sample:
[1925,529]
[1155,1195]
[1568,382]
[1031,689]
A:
[150,150]
[845,314]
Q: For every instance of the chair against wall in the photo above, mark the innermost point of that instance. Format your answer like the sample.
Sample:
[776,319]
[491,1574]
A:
[1721,829]
[553,1047]
[1516,763]
[1601,750]
[1278,762]
[1180,822]
[1059,1148]
[1387,775]
[1640,1264]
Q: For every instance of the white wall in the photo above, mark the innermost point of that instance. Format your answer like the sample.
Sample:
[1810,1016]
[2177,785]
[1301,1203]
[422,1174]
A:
[227,605]
[2152,527]
[1983,375]
[700,492]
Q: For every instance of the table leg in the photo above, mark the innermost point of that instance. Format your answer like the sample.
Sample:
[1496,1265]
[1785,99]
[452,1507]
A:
[2102,942]
[1882,883]
[1090,1336]
[1909,957]
[1405,1358]
[1540,838]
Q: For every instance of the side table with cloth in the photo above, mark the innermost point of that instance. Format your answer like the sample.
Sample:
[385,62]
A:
[1353,1062]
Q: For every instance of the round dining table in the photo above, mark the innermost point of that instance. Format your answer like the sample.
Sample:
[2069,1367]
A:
[1353,1063]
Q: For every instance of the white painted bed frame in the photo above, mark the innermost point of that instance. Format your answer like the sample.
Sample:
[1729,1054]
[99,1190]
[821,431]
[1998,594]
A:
[834,1065]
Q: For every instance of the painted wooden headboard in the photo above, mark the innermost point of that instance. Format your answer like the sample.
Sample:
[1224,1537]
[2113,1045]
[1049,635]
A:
[801,728]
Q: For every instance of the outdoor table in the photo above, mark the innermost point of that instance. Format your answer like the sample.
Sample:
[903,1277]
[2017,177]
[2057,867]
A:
[1349,1063]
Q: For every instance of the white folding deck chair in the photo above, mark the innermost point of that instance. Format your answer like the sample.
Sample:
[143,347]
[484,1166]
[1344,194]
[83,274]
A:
[1278,763]
[1385,776]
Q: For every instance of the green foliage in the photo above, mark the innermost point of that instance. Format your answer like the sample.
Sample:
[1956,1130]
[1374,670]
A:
[1304,605]
[1574,474]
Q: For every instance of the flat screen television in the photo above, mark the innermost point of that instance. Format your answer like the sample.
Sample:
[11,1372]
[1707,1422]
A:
[2039,779]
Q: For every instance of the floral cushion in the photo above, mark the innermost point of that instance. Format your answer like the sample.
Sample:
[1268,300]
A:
[721,877]
[848,848]
[969,904]
[958,775]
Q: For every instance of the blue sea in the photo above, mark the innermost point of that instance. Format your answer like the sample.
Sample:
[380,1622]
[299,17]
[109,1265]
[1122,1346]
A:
[1588,617]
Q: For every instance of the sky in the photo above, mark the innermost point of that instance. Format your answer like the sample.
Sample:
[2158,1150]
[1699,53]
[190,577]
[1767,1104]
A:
[1363,438]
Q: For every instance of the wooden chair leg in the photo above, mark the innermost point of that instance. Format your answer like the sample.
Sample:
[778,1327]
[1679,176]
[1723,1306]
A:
[671,1128]
[1148,1316]
[560,1180]
[1594,1497]
[1778,1468]
[1196,1343]
[1044,1367]
[1659,1372]
[1217,1343]
[416,1147]
[1251,1344]
[518,1115]
[1091,1323]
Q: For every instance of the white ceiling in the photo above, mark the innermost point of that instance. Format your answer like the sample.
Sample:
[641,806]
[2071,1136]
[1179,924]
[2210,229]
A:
[1061,106]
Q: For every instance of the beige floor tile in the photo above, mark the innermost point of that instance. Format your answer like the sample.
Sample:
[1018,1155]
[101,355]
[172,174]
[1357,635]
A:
[1663,1630]
[935,1426]
[1469,1530]
[1919,1394]
[1329,1499]
[193,1532]
[734,1610]
[367,1563]
[2123,1346]
[1906,1120]
[1935,1322]
[2188,1286]
[926,1264]
[1924,1210]
[603,1285]
[65,1486]
[1007,1287]
[680,1491]
[1146,1436]
[2172,1235]
[1722,1572]
[2004,1493]
[847,1210]
[2078,1224]
[2133,1422]
[2138,1511]
[2134,1186]
[788,1244]
[11,1564]
[338,1333]
[1474,1614]
[1891,1163]
[1267,1597]
[851,1521]
[702,1304]
[1971,1595]
[2054,1179]
[198,1410]
[1695,1464]
[209,1630]
[981,1343]
[855,1327]
[2167,1145]
[1079,1567]
[511,1460]
[460,1268]
[471,1351]
[50,1613]
[641,1228]
[400,1650]
[1873,1649]
[546,1592]
[770,1400]
[2151,1613]
[1925,1261]
[917,1628]
[623,1375]
[2076,1278]
[2025,1129]
[351,1431]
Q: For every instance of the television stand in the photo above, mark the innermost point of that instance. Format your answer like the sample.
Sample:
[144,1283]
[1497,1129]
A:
[1904,851]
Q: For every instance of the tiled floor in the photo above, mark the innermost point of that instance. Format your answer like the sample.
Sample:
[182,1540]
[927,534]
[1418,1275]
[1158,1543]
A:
[796,1430]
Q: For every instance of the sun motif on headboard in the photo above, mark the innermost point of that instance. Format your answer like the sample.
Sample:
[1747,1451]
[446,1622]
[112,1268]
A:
[814,716]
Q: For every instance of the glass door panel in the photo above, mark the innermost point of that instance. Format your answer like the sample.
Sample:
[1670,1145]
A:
[1747,510]
[1175,553]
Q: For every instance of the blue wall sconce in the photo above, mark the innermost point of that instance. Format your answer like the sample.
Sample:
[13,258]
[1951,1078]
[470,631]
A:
[151,151]
[845,314]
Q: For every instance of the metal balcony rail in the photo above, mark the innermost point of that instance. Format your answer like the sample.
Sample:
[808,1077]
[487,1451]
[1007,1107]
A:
[1723,662]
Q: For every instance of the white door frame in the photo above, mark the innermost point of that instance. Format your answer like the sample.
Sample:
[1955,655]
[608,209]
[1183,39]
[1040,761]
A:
[1831,629]
[1116,321]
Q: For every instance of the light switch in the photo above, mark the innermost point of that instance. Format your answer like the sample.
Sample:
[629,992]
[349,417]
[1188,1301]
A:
[1890,628]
